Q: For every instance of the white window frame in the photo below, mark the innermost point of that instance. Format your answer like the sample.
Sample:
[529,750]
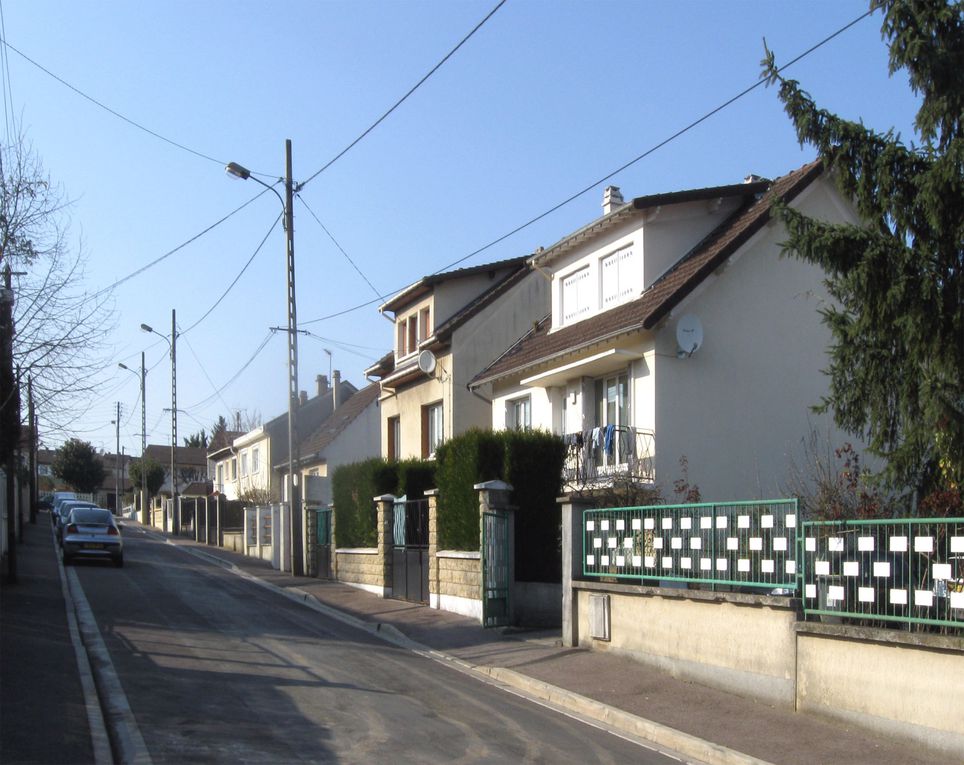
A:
[435,422]
[255,460]
[518,413]
[575,297]
[618,277]
[244,464]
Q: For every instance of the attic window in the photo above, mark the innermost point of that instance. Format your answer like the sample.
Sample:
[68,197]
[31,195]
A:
[575,295]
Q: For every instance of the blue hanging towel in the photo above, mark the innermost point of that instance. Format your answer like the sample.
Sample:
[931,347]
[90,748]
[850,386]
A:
[609,440]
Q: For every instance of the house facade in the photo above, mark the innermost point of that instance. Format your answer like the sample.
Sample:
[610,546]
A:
[349,434]
[676,331]
[447,328]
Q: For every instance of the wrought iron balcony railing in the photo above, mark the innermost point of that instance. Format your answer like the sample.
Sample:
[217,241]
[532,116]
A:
[598,455]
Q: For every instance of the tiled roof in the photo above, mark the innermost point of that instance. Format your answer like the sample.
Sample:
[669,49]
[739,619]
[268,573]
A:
[185,455]
[665,293]
[340,419]
[426,283]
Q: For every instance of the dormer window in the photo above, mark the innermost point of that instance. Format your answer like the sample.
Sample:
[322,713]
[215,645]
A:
[576,295]
[621,277]
[412,330]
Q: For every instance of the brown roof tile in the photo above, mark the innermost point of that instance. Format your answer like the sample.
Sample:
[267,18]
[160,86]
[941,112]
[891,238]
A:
[663,295]
[340,419]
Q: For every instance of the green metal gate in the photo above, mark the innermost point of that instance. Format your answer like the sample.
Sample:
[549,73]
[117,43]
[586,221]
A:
[495,568]
[323,555]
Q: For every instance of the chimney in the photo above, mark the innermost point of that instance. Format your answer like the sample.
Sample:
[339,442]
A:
[335,393]
[322,381]
[612,198]
[303,397]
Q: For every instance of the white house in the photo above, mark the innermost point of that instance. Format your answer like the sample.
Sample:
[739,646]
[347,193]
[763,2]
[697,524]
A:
[677,329]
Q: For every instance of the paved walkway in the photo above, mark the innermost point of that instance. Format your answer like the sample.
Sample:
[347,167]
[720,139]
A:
[41,691]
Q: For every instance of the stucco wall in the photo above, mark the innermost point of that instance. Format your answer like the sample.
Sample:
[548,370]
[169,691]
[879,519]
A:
[743,646]
[919,696]
[739,408]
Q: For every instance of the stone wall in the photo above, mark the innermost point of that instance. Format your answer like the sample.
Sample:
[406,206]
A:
[361,567]
[459,574]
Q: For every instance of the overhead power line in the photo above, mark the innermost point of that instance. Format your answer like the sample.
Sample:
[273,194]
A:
[630,163]
[402,100]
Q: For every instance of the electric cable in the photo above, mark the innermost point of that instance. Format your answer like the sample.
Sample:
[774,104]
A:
[400,101]
[236,375]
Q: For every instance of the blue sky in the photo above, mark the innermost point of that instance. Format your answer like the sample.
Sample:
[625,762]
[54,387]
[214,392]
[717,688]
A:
[545,99]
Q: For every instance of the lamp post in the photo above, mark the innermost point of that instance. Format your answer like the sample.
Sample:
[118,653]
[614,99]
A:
[143,434]
[293,489]
[172,342]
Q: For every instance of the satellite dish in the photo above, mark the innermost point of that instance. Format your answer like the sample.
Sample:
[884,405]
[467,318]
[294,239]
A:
[689,335]
[427,362]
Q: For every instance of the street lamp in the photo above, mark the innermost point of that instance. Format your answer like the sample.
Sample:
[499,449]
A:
[172,342]
[238,171]
[143,434]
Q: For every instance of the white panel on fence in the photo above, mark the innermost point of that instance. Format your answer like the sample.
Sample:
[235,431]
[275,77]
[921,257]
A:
[628,543]
[865,544]
[604,525]
[677,543]
[823,568]
[957,544]
[722,564]
[743,564]
[721,521]
[686,523]
[780,544]
[667,562]
[706,522]
[590,560]
[898,597]
[898,544]
[637,524]
[732,543]
[881,568]
[613,542]
[650,523]
[865,594]
[604,560]
[596,542]
[620,525]
[941,571]
[657,543]
[810,544]
[766,521]
[835,592]
[620,560]
[667,523]
[791,567]
[810,590]
[706,564]
[590,525]
[835,544]
[756,543]
[650,561]
[743,521]
[851,568]
[923,598]
[791,521]
[686,563]
[696,543]
[957,600]
[924,544]
[637,561]
[767,566]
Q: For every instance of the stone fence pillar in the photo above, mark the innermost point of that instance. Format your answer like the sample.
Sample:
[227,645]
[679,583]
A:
[332,541]
[385,505]
[572,538]
[434,589]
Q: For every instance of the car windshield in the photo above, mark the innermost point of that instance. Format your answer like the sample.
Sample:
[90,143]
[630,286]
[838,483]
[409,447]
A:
[90,515]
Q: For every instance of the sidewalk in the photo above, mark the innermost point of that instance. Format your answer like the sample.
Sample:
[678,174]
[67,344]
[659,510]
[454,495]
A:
[43,716]
[617,691]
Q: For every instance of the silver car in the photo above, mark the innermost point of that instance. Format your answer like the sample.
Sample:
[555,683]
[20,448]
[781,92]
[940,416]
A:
[63,511]
[91,532]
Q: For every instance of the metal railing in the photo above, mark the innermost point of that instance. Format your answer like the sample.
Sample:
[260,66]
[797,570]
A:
[909,570]
[599,455]
[746,544]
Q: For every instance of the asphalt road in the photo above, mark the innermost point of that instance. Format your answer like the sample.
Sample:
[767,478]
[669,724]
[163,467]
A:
[218,670]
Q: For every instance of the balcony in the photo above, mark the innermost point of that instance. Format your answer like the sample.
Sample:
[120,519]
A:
[597,456]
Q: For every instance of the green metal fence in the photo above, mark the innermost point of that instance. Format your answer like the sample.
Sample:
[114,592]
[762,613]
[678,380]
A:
[908,570]
[746,544]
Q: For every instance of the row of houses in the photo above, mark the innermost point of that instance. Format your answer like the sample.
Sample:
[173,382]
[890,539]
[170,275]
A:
[669,327]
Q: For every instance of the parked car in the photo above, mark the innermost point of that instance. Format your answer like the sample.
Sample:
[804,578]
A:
[62,511]
[92,532]
[58,498]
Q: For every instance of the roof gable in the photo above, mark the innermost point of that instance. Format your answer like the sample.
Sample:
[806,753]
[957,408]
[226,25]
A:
[340,419]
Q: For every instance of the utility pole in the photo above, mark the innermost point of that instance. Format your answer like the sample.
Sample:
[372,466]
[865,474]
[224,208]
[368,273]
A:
[294,486]
[9,418]
[143,441]
[32,430]
[176,515]
[117,469]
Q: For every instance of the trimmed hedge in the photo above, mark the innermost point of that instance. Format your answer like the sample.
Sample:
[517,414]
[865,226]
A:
[353,487]
[531,462]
